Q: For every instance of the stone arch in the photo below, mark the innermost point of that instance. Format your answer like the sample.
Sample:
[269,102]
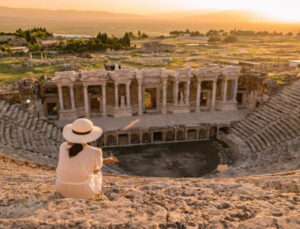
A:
[123,139]
[202,133]
[146,137]
[135,138]
[180,135]
[213,132]
[158,136]
[170,136]
[111,140]
[192,134]
[100,141]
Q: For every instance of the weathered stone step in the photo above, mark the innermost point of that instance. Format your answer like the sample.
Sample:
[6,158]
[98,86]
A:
[2,104]
[21,138]
[279,132]
[273,138]
[24,120]
[34,125]
[7,134]
[54,133]
[49,131]
[289,127]
[44,127]
[2,132]
[4,110]
[15,114]
[10,111]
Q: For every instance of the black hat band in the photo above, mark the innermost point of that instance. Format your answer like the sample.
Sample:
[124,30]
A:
[81,133]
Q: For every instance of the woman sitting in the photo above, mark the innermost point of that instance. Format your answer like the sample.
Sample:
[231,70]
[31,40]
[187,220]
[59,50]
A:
[79,166]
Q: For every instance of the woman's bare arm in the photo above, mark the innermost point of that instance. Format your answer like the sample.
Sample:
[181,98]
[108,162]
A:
[109,160]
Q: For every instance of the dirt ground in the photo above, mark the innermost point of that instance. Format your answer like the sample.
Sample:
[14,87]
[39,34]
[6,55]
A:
[28,200]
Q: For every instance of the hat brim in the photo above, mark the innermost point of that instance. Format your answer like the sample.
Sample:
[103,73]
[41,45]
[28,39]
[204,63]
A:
[76,138]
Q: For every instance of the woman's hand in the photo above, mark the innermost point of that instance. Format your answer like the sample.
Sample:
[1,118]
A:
[110,160]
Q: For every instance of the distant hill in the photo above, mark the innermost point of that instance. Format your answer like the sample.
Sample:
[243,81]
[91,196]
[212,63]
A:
[230,16]
[92,22]
[43,14]
[176,15]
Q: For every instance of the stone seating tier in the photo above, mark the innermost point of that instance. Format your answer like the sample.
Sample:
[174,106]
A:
[272,132]
[22,132]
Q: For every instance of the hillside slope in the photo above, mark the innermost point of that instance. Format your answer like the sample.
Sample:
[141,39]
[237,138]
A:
[28,200]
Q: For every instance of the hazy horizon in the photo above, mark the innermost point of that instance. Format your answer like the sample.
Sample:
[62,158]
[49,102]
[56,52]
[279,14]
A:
[279,11]
[91,22]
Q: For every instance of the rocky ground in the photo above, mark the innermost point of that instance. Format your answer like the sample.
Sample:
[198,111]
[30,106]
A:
[28,200]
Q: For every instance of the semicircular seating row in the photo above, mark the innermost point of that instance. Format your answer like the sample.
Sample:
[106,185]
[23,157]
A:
[23,134]
[271,134]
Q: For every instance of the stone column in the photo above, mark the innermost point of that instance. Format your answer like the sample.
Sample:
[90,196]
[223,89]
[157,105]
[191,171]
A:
[116,96]
[141,137]
[86,100]
[186,135]
[236,83]
[140,98]
[164,99]
[187,93]
[61,99]
[72,97]
[213,99]
[104,139]
[103,99]
[41,108]
[225,86]
[152,136]
[175,93]
[198,98]
[128,95]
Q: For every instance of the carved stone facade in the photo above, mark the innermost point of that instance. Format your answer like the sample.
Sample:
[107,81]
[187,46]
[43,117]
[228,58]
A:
[127,92]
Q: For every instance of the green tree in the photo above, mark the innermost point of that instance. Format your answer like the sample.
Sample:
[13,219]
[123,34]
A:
[34,48]
[214,38]
[126,40]
[230,39]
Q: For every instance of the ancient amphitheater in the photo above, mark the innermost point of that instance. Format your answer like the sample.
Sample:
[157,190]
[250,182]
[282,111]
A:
[260,189]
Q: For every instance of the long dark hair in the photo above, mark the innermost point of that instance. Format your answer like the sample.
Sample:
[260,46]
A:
[75,149]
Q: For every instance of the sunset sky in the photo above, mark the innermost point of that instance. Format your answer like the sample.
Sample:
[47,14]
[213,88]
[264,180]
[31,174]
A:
[283,10]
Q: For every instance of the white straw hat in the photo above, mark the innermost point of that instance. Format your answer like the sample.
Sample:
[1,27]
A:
[81,131]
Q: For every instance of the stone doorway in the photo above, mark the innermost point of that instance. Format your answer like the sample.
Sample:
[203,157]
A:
[150,99]
[123,139]
[204,99]
[95,105]
[52,109]
[192,134]
[158,136]
[239,98]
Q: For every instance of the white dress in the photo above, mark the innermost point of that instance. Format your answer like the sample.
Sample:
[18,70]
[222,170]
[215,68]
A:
[75,175]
